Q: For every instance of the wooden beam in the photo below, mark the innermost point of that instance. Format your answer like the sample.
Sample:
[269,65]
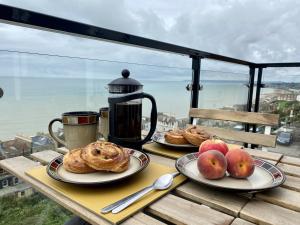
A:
[236,116]
[241,136]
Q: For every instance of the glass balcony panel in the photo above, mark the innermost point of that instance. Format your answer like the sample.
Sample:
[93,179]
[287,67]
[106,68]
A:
[281,95]
[39,88]
[223,90]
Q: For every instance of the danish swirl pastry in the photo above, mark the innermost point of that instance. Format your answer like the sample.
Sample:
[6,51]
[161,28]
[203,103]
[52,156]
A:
[72,162]
[175,137]
[106,156]
[195,135]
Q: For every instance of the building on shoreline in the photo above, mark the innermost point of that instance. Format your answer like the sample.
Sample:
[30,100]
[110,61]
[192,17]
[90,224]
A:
[165,122]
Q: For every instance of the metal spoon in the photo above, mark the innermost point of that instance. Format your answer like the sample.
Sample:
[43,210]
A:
[140,193]
[162,183]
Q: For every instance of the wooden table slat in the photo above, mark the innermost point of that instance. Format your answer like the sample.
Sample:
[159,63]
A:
[262,212]
[45,156]
[290,160]
[228,203]
[265,155]
[289,169]
[292,183]
[180,211]
[62,150]
[18,165]
[281,196]
[239,221]
[142,219]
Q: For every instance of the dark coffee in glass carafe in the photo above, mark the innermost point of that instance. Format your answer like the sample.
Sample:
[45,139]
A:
[128,124]
[125,112]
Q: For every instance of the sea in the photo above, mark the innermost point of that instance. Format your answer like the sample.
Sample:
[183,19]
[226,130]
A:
[28,103]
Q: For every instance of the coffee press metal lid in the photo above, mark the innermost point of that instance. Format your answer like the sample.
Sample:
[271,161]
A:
[124,84]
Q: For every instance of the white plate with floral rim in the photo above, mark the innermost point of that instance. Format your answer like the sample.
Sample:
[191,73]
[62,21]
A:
[138,162]
[265,175]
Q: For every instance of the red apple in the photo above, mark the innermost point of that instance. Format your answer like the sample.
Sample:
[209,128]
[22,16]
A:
[212,164]
[240,164]
[213,144]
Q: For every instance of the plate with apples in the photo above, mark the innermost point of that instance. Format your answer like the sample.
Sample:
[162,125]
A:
[232,170]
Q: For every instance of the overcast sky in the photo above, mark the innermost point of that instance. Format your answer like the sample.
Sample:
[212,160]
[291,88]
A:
[253,30]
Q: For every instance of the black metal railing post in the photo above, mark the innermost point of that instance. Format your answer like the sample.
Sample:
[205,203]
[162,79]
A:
[259,85]
[196,63]
[251,87]
[250,95]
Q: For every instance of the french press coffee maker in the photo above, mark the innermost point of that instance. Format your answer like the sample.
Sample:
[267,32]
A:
[125,112]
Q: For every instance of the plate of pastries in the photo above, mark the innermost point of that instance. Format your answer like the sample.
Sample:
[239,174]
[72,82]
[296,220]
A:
[98,163]
[190,137]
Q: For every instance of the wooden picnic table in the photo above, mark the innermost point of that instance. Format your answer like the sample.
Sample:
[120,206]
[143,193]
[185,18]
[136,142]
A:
[191,203]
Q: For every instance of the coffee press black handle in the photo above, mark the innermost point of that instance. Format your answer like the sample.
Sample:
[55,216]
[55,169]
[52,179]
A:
[129,97]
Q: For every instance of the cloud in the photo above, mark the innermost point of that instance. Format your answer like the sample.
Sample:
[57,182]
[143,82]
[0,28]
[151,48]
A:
[256,30]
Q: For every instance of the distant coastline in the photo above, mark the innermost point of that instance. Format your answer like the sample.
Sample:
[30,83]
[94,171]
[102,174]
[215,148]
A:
[284,85]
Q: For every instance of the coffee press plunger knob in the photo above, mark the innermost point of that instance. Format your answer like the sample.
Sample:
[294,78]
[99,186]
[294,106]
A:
[125,73]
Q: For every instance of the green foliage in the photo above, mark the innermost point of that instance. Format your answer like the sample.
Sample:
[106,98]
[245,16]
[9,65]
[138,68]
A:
[284,109]
[34,210]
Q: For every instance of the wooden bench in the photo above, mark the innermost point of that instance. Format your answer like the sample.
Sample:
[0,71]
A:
[265,119]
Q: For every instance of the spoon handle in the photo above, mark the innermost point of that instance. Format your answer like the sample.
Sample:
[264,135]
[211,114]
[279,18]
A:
[114,205]
[132,200]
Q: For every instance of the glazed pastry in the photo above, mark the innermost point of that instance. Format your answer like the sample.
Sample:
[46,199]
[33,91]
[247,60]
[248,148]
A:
[106,156]
[195,135]
[175,137]
[72,162]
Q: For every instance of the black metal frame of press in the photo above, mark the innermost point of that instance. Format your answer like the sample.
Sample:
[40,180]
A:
[26,18]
